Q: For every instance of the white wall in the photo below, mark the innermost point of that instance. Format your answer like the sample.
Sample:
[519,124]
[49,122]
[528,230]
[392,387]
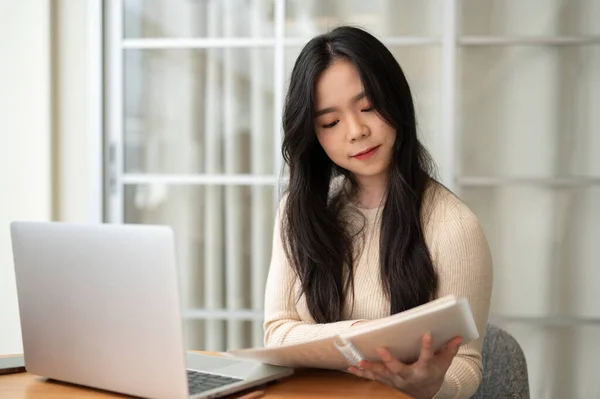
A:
[25,144]
[44,156]
[77,127]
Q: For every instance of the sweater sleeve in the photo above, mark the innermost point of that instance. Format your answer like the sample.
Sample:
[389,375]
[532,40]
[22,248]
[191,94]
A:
[464,265]
[282,323]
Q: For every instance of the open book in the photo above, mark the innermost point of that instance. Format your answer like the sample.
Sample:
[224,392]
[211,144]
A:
[445,318]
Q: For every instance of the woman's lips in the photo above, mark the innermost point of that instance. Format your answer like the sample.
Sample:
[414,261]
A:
[366,154]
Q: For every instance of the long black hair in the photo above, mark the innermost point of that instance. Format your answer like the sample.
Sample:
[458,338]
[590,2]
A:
[316,237]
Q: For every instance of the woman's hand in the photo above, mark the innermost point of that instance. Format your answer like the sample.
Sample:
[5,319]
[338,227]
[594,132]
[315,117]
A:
[421,379]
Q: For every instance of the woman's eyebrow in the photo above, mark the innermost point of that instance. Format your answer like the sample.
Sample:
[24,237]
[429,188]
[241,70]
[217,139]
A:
[359,96]
[356,98]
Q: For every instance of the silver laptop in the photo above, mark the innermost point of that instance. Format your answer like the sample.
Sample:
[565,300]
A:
[100,307]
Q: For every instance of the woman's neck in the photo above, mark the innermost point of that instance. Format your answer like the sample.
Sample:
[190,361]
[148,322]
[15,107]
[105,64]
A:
[371,191]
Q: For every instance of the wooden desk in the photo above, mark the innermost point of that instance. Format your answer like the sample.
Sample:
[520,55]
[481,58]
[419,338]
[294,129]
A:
[303,384]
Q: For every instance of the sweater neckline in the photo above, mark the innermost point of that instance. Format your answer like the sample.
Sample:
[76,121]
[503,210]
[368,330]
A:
[371,214]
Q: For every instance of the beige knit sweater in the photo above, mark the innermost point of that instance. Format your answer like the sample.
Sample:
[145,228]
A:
[463,262]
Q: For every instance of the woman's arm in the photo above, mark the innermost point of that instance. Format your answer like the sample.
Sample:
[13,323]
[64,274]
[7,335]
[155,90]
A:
[464,265]
[463,262]
[283,324]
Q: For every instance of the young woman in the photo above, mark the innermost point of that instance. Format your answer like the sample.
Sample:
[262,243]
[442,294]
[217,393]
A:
[364,230]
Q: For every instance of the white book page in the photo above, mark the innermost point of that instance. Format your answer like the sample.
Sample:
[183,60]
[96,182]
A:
[444,318]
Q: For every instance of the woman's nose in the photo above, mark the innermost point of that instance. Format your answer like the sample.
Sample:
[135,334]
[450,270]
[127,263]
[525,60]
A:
[357,129]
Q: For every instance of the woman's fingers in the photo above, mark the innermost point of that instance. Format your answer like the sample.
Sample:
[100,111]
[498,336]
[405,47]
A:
[382,373]
[451,349]
[393,364]
[395,373]
[356,371]
[363,373]
[426,354]
[375,372]
[377,368]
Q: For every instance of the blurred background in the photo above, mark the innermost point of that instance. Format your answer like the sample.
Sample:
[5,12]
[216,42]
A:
[168,111]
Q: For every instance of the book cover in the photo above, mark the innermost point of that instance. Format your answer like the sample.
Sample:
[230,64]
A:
[445,318]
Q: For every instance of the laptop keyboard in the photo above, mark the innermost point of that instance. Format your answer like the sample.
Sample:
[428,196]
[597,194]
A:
[200,382]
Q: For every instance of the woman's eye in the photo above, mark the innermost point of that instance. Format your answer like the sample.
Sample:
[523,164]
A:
[368,109]
[329,125]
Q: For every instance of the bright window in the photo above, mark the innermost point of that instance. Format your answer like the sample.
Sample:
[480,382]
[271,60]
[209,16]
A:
[506,94]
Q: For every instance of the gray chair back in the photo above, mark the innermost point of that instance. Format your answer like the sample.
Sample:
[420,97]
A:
[504,367]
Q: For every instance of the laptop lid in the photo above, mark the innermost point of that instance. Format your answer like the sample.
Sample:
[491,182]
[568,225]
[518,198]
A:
[99,306]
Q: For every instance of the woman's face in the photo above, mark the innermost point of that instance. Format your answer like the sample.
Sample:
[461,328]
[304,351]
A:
[354,136]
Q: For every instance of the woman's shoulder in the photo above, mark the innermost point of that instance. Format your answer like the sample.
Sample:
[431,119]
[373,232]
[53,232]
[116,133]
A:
[453,231]
[442,205]
[446,214]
